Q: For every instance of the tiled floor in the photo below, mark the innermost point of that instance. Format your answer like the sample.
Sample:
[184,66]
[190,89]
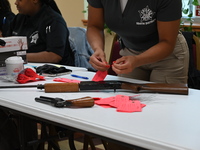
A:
[79,143]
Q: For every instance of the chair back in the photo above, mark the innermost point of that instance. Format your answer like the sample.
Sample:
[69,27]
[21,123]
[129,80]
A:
[194,60]
[80,47]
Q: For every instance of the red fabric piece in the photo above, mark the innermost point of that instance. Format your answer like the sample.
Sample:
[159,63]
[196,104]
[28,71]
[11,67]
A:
[28,75]
[24,79]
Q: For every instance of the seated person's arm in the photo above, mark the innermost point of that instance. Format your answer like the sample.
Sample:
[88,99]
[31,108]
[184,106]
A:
[48,57]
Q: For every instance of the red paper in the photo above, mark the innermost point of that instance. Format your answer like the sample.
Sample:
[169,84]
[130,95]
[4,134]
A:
[122,103]
[127,107]
[120,99]
[105,101]
[105,106]
[66,80]
[100,76]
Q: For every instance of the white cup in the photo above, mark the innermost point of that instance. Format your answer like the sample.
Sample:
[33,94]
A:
[14,65]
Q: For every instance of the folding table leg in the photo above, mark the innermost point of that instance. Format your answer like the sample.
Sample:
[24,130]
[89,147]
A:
[27,132]
[21,133]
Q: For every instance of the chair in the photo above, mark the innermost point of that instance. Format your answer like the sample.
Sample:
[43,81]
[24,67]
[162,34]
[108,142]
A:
[194,60]
[114,55]
[80,47]
[197,50]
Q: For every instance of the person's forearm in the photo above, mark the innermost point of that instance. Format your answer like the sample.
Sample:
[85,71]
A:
[155,53]
[96,38]
[167,32]
[43,57]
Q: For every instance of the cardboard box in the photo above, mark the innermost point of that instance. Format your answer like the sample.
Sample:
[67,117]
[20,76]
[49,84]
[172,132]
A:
[14,46]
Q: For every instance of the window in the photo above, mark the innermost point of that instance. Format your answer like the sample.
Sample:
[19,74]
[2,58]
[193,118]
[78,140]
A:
[190,10]
[187,8]
[85,8]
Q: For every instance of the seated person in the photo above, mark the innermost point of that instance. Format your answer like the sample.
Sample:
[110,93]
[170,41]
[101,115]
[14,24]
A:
[6,15]
[46,31]
[47,36]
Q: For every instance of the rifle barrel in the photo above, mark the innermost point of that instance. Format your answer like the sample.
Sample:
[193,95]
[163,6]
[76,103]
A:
[18,86]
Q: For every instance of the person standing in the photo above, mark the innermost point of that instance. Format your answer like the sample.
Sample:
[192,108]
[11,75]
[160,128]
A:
[153,49]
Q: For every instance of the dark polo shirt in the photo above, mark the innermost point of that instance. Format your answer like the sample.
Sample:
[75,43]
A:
[137,25]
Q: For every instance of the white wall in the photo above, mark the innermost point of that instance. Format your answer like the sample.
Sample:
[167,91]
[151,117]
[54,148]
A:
[70,9]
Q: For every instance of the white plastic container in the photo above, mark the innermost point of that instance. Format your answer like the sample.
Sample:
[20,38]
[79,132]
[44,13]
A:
[14,65]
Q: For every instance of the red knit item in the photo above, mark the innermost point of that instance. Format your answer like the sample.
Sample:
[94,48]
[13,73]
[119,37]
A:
[23,78]
[28,75]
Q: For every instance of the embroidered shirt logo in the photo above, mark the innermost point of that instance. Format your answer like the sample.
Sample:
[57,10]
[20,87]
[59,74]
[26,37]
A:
[146,16]
[34,37]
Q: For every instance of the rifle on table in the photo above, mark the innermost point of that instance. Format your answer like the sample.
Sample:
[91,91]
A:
[103,85]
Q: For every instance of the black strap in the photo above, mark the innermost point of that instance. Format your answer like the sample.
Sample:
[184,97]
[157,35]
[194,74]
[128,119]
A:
[122,46]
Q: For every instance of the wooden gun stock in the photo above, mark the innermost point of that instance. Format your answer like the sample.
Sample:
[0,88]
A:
[157,87]
[82,102]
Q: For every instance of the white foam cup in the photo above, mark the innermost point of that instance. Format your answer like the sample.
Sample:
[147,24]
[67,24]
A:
[14,65]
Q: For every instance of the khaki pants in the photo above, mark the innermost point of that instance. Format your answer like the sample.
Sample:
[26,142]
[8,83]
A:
[173,69]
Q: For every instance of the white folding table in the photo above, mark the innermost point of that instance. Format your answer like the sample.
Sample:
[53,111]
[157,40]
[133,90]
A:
[168,122]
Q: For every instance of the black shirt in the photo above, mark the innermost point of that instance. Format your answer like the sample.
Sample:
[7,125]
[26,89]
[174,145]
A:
[46,31]
[5,18]
[137,24]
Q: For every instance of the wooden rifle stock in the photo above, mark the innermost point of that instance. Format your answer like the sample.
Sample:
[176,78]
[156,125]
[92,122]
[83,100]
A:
[157,87]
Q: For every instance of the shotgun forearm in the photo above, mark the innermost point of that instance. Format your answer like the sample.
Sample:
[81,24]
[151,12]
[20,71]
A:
[59,87]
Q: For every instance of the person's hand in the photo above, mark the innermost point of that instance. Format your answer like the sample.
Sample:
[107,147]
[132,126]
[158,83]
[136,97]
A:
[98,61]
[124,64]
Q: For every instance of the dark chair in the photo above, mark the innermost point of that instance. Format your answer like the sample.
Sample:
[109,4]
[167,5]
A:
[80,47]
[193,73]
[114,55]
